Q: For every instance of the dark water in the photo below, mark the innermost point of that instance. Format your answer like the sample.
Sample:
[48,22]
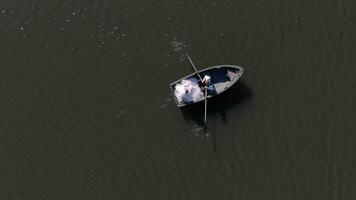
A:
[86,111]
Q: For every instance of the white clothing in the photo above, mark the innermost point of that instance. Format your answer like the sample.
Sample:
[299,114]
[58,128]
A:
[188,91]
[206,79]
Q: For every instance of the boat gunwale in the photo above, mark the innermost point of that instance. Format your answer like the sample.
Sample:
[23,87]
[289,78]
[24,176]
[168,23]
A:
[241,70]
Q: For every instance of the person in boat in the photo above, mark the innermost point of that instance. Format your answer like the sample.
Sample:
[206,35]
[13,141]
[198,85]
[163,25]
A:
[206,84]
[188,85]
[188,91]
[205,81]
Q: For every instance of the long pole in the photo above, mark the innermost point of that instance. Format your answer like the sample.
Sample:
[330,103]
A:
[193,65]
[206,104]
[206,89]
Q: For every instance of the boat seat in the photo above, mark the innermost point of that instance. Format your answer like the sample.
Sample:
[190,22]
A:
[232,74]
[211,90]
[219,87]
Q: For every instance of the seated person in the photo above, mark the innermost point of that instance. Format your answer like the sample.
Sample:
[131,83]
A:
[188,91]
[205,81]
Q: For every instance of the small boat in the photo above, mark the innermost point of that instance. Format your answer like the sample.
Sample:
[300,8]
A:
[222,78]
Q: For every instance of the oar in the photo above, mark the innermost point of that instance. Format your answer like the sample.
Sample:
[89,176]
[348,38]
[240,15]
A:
[206,88]
[206,103]
[191,62]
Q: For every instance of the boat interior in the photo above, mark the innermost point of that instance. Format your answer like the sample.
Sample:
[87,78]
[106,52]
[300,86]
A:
[221,79]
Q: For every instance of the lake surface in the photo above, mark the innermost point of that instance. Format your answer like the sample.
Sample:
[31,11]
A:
[86,110]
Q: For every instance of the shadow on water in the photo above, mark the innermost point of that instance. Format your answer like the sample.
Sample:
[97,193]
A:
[217,105]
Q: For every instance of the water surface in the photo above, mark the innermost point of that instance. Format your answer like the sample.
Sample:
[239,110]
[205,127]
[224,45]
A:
[86,111]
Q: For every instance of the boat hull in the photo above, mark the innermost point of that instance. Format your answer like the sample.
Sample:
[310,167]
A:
[222,78]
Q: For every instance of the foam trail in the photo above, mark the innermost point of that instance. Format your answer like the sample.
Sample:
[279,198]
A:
[178,47]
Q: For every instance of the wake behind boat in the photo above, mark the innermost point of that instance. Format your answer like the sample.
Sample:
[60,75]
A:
[221,77]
